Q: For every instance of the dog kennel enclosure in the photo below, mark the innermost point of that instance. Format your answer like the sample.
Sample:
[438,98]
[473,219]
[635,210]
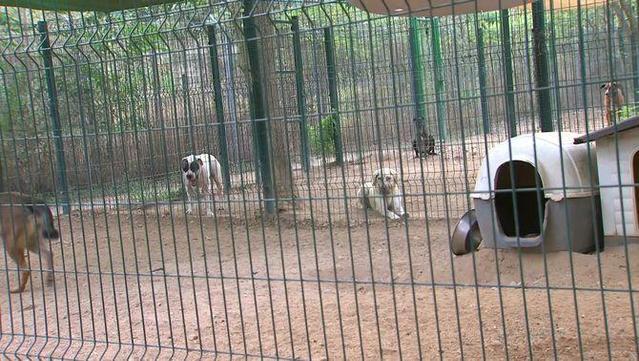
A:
[618,160]
[537,189]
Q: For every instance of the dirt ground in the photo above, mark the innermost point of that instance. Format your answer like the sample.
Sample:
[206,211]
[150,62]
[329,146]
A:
[188,288]
[319,282]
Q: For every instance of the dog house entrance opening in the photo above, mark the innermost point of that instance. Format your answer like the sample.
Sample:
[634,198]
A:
[635,167]
[529,197]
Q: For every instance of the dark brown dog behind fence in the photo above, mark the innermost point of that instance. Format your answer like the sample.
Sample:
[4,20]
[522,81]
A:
[424,142]
[26,223]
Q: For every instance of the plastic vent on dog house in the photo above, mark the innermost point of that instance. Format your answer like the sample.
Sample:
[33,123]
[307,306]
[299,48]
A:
[523,198]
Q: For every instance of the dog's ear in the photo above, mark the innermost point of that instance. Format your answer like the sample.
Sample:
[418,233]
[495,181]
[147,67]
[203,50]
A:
[395,176]
[185,165]
[376,178]
[200,161]
[603,85]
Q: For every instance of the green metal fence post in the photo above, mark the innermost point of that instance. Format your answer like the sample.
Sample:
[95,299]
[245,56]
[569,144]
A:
[541,66]
[439,77]
[481,64]
[219,106]
[507,71]
[187,110]
[329,43]
[45,50]
[634,48]
[417,63]
[258,109]
[299,90]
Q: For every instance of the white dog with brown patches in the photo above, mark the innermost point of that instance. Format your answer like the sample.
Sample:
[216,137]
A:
[383,194]
[199,172]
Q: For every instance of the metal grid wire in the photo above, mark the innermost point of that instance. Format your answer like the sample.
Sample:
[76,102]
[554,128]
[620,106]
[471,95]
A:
[301,102]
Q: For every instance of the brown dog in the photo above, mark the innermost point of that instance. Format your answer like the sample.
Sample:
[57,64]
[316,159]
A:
[613,100]
[26,224]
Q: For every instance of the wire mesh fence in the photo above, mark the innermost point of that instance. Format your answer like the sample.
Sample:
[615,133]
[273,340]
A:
[302,103]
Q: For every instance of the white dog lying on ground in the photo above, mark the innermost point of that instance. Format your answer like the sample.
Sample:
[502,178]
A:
[199,172]
[383,194]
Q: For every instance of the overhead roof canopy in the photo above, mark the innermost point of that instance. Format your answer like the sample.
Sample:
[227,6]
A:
[422,8]
[83,5]
[431,8]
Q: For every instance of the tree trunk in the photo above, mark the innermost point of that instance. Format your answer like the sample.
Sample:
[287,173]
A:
[278,142]
[627,18]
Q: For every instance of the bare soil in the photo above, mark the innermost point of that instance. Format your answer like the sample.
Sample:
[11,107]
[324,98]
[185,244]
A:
[160,285]
[137,279]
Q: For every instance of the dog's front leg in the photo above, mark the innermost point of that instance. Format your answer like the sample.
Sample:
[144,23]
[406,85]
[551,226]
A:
[220,199]
[46,253]
[389,211]
[189,208]
[391,215]
[398,207]
[219,190]
[209,202]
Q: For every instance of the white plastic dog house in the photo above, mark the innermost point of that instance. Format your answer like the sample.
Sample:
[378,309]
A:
[553,207]
[627,141]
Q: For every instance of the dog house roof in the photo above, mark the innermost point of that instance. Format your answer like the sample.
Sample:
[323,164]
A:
[551,150]
[623,126]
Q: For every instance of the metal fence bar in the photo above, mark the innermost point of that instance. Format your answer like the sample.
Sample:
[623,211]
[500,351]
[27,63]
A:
[634,48]
[417,63]
[507,72]
[438,78]
[45,47]
[300,259]
[331,70]
[299,92]
[219,107]
[481,65]
[541,66]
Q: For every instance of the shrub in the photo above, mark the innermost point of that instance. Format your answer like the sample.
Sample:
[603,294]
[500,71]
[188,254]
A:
[320,137]
[628,111]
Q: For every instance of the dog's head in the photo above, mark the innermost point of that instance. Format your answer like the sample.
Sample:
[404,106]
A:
[612,89]
[386,180]
[420,127]
[191,170]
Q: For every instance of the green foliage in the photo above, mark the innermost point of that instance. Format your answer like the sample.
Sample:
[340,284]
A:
[628,111]
[320,137]
[99,86]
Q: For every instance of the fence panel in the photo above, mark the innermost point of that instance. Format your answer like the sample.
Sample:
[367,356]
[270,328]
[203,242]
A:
[294,259]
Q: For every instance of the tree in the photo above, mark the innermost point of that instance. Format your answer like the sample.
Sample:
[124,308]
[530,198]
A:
[627,17]
[271,130]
